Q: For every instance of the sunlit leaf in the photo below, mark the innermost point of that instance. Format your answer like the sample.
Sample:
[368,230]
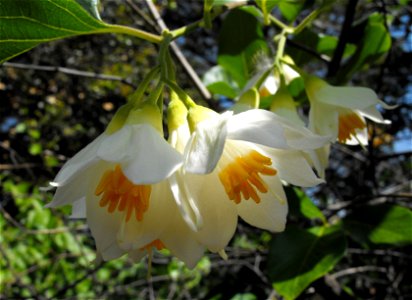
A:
[219,81]
[25,24]
[91,6]
[298,257]
[380,224]
[301,205]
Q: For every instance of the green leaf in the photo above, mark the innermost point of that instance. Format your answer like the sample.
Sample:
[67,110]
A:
[25,26]
[380,224]
[238,53]
[219,81]
[91,6]
[298,257]
[301,205]
[290,9]
[247,296]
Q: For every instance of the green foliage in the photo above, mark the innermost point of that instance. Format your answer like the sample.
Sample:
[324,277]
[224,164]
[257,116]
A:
[298,256]
[386,224]
[238,52]
[219,81]
[26,26]
[302,206]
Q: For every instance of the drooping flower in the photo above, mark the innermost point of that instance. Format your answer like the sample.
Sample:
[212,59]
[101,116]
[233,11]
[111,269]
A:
[118,182]
[233,167]
[340,111]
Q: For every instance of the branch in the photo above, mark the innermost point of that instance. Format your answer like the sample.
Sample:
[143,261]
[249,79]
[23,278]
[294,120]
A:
[68,71]
[343,38]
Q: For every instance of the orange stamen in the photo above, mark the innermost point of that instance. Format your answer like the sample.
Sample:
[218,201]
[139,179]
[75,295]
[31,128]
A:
[348,124]
[158,244]
[242,178]
[119,193]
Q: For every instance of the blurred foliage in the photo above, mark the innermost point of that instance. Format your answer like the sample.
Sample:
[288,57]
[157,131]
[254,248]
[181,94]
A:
[348,238]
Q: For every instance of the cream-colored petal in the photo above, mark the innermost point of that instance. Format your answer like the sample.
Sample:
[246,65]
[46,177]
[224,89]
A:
[78,186]
[185,201]
[151,158]
[137,255]
[292,167]
[360,138]
[84,158]
[104,226]
[272,210]
[324,120]
[257,126]
[347,97]
[373,114]
[206,145]
[181,241]
[217,210]
[79,209]
[116,147]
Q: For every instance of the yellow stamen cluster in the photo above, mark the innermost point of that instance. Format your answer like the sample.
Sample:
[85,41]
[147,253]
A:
[348,123]
[241,178]
[120,193]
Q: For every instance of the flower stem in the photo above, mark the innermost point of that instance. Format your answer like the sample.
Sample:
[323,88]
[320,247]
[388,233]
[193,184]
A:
[150,37]
[185,98]
[136,97]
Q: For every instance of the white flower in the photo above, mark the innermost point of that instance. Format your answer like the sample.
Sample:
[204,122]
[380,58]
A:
[118,182]
[340,111]
[244,157]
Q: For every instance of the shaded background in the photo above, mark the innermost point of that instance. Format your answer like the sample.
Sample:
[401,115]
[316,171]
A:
[46,116]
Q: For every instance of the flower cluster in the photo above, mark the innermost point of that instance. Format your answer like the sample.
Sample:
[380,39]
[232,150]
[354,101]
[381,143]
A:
[140,191]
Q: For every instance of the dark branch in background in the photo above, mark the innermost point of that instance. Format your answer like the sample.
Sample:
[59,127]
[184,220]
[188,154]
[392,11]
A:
[322,57]
[343,38]
[179,55]
[68,71]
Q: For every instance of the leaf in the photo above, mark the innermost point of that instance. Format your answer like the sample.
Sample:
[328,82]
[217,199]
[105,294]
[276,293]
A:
[238,52]
[91,6]
[298,257]
[218,81]
[25,26]
[380,224]
[290,9]
[301,205]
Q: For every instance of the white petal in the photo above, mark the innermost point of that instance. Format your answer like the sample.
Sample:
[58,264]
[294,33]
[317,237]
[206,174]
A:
[185,201]
[292,167]
[373,114]
[324,120]
[348,97]
[77,187]
[271,212]
[104,227]
[301,138]
[179,138]
[181,241]
[79,209]
[361,138]
[84,158]
[151,158]
[206,145]
[116,147]
[137,255]
[257,126]
[218,211]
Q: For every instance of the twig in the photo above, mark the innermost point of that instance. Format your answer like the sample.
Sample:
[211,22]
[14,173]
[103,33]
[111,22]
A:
[68,71]
[179,55]
[356,270]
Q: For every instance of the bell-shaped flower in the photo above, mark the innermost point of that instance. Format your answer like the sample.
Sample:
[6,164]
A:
[234,167]
[119,183]
[340,111]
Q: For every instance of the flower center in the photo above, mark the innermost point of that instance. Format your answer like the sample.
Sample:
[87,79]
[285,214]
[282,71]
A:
[348,123]
[158,244]
[242,177]
[120,193]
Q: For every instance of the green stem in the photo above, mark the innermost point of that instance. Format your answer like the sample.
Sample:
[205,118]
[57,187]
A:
[136,97]
[281,48]
[313,15]
[279,23]
[164,49]
[185,98]
[150,37]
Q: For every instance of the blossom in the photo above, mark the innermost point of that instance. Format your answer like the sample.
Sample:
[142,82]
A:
[118,182]
[340,111]
[233,167]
